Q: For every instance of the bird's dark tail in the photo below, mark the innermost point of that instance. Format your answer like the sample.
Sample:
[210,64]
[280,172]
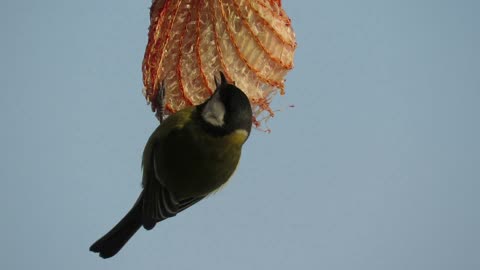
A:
[116,238]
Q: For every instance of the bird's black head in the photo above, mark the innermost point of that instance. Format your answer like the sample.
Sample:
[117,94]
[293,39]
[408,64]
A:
[227,110]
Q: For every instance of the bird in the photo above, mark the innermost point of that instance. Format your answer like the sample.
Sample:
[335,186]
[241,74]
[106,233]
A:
[191,154]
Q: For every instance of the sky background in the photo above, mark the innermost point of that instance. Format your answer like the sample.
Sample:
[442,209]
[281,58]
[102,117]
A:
[376,166]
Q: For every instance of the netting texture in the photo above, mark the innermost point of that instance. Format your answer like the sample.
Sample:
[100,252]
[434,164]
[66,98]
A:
[189,41]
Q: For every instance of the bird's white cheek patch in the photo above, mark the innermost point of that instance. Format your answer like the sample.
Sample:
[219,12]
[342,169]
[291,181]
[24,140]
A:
[214,112]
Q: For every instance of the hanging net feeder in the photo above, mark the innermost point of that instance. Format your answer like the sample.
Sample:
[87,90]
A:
[250,41]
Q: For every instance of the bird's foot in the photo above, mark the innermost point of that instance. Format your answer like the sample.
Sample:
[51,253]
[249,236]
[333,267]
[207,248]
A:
[160,101]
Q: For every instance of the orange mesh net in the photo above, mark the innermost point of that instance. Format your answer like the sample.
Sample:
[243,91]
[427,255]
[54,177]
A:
[251,41]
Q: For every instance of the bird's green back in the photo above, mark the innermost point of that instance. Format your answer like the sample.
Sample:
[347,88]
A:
[191,162]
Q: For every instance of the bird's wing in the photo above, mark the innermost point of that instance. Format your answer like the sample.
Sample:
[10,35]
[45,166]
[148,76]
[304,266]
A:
[159,203]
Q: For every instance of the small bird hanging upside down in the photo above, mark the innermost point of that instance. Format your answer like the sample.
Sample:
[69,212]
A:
[191,154]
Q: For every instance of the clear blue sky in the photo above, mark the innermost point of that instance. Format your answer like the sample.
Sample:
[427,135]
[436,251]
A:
[376,166]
